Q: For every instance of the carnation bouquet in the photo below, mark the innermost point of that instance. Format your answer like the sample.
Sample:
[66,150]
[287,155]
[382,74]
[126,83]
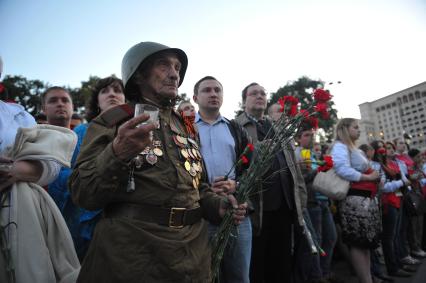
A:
[279,137]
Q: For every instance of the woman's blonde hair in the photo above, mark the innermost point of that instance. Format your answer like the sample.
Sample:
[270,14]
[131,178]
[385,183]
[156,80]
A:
[342,131]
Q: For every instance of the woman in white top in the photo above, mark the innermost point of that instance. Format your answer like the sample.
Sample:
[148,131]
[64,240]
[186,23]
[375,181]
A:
[359,212]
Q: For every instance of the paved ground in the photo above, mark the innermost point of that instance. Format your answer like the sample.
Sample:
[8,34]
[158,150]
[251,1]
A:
[343,270]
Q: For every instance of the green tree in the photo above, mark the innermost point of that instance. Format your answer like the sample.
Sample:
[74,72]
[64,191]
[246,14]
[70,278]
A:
[25,92]
[303,89]
[81,95]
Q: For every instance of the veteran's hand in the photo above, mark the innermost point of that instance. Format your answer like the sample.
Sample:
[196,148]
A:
[224,187]
[130,139]
[238,210]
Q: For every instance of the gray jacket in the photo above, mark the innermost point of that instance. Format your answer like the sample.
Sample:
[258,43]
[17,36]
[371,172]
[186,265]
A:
[300,193]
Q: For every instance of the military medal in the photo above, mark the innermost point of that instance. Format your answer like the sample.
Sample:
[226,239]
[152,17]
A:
[182,140]
[138,162]
[151,158]
[194,143]
[187,165]
[184,153]
[192,171]
[157,151]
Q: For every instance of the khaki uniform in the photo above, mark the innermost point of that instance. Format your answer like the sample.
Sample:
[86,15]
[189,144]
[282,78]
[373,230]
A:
[130,250]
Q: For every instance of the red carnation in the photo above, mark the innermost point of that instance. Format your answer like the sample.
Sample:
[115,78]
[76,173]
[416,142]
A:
[313,121]
[1,88]
[292,102]
[244,159]
[321,107]
[304,113]
[381,151]
[321,95]
[250,147]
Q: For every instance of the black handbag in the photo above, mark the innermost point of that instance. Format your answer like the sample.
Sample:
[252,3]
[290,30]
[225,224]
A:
[414,203]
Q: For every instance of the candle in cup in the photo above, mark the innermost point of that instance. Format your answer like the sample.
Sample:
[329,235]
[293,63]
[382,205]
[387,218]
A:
[151,110]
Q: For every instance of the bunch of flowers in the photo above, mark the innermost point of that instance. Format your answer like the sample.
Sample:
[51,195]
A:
[279,137]
[325,164]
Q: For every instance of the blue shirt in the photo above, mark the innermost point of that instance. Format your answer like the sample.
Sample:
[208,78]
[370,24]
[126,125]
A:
[217,147]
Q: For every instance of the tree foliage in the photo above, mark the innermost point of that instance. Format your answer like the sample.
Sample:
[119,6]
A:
[28,92]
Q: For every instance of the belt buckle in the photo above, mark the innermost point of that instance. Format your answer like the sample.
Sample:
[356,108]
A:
[172,213]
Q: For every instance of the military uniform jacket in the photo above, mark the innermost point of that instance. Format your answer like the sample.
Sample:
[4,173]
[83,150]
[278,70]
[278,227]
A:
[129,250]
[299,184]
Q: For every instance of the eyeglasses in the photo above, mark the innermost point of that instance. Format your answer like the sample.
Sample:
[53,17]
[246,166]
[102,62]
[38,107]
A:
[256,92]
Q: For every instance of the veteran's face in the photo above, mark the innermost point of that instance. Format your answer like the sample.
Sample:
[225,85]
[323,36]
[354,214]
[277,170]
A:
[163,79]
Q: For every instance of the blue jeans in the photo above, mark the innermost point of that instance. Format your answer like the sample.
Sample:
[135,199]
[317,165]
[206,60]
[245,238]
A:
[323,223]
[401,243]
[236,259]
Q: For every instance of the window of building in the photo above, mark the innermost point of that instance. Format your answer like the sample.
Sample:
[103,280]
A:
[393,104]
[377,109]
[382,108]
[410,97]
[388,106]
[417,94]
[424,94]
[405,99]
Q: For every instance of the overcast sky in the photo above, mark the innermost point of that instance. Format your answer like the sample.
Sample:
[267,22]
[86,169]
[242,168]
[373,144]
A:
[375,48]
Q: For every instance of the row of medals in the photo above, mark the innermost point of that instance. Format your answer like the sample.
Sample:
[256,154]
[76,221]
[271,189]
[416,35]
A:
[189,150]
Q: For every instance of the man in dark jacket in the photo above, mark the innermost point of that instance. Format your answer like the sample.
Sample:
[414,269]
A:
[278,206]
[222,143]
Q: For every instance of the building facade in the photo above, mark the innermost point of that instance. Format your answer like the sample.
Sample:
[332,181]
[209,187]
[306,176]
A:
[396,115]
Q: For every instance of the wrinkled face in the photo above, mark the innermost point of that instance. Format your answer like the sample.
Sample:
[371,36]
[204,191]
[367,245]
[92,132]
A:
[187,108]
[354,131]
[255,99]
[210,95]
[110,96]
[163,79]
[400,146]
[274,112]
[306,139]
[58,106]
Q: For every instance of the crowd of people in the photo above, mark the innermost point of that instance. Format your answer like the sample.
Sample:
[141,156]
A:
[128,199]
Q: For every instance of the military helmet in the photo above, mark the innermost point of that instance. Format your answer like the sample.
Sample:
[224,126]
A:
[140,52]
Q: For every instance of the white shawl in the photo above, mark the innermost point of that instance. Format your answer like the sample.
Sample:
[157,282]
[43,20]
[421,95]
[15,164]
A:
[41,245]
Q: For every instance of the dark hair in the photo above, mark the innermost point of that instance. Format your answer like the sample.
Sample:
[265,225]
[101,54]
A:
[365,147]
[244,92]
[413,152]
[197,84]
[40,116]
[304,126]
[76,116]
[391,144]
[375,146]
[44,94]
[93,109]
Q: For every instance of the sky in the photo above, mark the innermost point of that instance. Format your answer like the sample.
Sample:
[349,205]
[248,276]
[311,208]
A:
[375,48]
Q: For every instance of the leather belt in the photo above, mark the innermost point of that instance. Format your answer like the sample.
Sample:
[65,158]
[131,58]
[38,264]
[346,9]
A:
[174,217]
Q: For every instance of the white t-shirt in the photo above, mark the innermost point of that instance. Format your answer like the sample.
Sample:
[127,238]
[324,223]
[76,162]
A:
[12,117]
